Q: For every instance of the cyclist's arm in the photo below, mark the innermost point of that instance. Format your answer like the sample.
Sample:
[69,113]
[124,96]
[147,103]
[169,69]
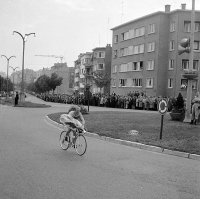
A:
[82,120]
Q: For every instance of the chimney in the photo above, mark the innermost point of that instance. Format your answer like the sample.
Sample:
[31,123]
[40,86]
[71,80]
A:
[167,8]
[183,6]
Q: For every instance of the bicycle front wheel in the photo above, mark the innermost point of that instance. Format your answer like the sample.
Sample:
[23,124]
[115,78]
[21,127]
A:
[80,145]
[64,144]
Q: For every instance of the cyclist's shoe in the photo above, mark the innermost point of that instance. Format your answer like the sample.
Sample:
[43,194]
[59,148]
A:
[67,138]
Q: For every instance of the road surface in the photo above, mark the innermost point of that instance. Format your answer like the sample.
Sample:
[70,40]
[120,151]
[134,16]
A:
[32,165]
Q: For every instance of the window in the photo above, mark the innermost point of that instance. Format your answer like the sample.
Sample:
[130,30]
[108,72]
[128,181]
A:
[197,27]
[129,66]
[150,65]
[125,36]
[139,32]
[113,82]
[131,50]
[122,82]
[172,26]
[115,54]
[183,83]
[131,33]
[171,64]
[100,66]
[195,64]
[101,55]
[187,26]
[115,38]
[196,45]
[137,66]
[114,69]
[171,45]
[149,83]
[185,64]
[137,82]
[124,51]
[123,68]
[170,83]
[151,28]
[139,49]
[194,84]
[151,47]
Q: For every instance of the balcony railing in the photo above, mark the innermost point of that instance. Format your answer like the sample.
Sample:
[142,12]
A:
[190,74]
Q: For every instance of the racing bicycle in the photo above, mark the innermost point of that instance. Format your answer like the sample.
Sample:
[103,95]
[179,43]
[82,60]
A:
[74,138]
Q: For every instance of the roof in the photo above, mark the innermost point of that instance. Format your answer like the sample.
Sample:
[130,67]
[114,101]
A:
[151,15]
[99,48]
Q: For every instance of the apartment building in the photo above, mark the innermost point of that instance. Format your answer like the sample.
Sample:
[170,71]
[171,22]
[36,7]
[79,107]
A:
[145,53]
[88,63]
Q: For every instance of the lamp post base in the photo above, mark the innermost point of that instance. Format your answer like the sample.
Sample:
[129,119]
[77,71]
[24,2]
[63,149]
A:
[187,118]
[22,97]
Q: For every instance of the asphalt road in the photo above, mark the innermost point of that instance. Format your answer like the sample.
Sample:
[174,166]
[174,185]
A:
[32,165]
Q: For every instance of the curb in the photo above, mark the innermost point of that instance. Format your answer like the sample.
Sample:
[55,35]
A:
[135,144]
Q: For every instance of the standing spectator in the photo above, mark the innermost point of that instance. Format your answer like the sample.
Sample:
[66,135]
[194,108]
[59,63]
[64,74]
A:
[16,98]
[195,109]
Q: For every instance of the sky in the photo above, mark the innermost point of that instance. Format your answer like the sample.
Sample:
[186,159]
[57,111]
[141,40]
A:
[66,27]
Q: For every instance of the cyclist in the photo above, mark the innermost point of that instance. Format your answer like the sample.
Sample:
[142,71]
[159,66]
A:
[74,118]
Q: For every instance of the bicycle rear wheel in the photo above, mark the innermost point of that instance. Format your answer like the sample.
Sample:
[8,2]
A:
[80,145]
[64,144]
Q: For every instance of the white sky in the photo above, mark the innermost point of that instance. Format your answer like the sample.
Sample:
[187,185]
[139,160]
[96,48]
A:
[66,27]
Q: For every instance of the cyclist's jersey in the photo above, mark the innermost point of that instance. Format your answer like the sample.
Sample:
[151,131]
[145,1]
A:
[75,114]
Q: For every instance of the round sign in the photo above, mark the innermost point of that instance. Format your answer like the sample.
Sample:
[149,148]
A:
[162,107]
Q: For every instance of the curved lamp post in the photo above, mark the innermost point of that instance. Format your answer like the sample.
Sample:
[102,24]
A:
[8,59]
[14,69]
[24,40]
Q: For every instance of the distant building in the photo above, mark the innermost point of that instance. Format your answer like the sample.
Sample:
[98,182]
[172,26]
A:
[29,76]
[87,63]
[62,70]
[2,74]
[67,73]
[145,53]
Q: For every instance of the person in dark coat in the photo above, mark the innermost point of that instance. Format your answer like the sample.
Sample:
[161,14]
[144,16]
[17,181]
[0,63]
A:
[16,98]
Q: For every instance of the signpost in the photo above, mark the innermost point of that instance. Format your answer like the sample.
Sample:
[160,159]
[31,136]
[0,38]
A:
[162,108]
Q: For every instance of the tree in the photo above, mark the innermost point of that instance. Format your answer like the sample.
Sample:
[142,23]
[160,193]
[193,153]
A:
[54,81]
[42,84]
[31,87]
[101,79]
[3,84]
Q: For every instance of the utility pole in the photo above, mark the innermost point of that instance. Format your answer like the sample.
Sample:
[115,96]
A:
[189,85]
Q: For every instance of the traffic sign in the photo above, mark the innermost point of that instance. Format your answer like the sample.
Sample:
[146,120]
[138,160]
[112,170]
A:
[162,107]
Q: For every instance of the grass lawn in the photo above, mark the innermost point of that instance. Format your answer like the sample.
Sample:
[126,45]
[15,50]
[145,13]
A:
[176,135]
[27,104]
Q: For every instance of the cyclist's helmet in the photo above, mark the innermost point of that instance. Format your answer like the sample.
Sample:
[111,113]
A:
[75,109]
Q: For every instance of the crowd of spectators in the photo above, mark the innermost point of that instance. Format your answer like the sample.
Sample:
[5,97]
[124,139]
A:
[133,100]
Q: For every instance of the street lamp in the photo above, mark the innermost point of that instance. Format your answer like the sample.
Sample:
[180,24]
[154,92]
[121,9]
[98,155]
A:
[8,59]
[13,77]
[190,71]
[24,40]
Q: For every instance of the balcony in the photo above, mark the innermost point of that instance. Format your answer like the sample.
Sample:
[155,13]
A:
[190,74]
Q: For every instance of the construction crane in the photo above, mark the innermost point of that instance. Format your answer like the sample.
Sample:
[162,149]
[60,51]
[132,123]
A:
[55,56]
